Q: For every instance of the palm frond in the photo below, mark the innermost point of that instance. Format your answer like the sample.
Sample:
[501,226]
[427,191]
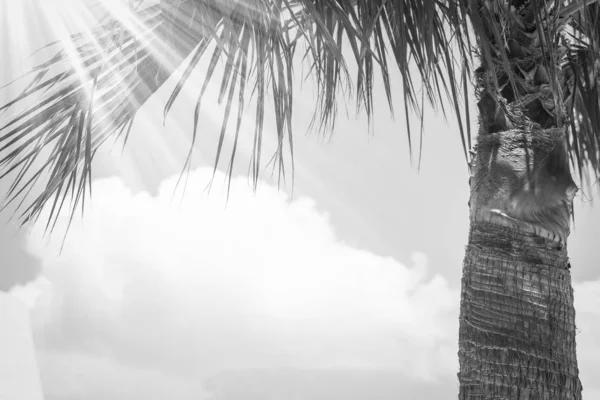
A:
[567,33]
[83,105]
[582,89]
[88,99]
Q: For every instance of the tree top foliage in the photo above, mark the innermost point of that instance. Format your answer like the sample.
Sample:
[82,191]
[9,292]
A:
[91,89]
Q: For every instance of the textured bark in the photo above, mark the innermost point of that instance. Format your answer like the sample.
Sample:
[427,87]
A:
[523,176]
[517,325]
[517,321]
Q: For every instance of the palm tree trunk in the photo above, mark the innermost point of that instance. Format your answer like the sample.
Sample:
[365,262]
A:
[517,324]
[517,320]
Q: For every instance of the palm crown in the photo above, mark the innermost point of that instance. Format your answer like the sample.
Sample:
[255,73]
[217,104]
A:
[92,91]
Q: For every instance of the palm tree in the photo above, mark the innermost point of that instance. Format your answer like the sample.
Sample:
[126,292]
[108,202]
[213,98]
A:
[537,90]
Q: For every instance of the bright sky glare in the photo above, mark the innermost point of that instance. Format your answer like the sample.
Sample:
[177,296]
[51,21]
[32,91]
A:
[355,277]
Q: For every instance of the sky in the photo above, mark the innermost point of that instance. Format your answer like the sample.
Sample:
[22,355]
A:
[349,288]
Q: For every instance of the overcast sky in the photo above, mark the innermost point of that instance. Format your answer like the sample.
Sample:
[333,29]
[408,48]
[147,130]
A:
[349,289]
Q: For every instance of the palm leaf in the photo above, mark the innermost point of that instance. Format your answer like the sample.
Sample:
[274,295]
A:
[582,89]
[81,106]
[430,42]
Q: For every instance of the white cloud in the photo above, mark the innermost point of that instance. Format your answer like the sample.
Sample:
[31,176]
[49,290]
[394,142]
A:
[73,376]
[19,378]
[169,293]
[587,318]
[197,287]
